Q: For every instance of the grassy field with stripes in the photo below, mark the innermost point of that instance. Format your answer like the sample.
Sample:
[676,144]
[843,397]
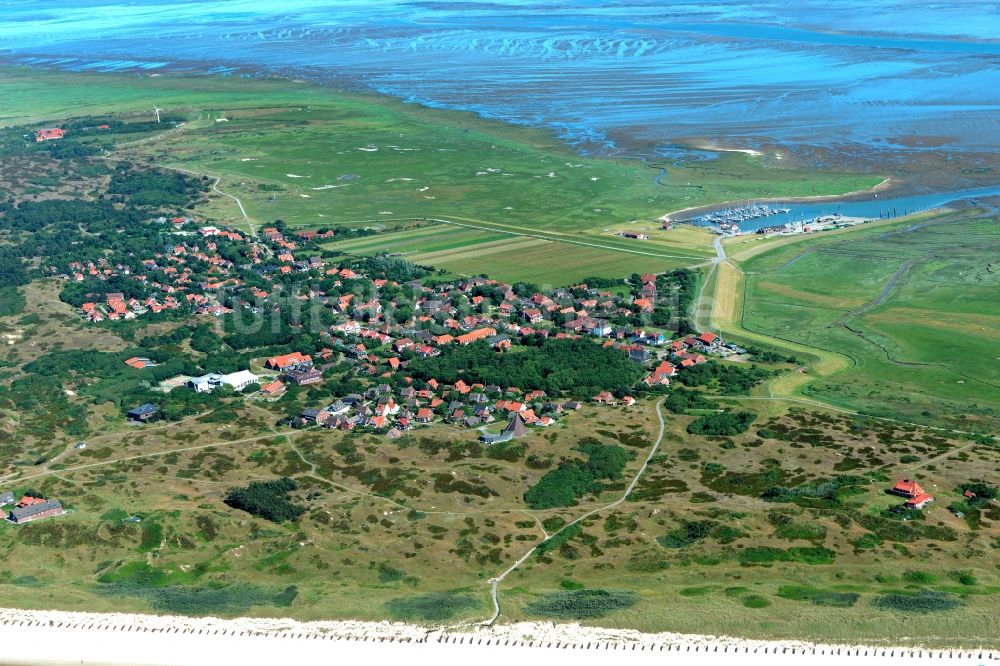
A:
[510,257]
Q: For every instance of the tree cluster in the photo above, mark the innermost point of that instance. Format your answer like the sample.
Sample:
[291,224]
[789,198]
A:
[721,424]
[577,366]
[266,499]
[573,479]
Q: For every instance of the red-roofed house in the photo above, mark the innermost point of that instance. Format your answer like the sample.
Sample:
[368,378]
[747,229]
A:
[906,488]
[478,334]
[604,397]
[139,362]
[708,339]
[916,496]
[273,389]
[49,134]
[919,502]
[644,304]
[288,361]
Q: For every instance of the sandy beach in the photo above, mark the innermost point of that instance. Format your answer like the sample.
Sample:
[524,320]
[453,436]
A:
[54,637]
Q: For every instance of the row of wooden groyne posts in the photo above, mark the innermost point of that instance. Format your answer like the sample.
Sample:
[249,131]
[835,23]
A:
[478,640]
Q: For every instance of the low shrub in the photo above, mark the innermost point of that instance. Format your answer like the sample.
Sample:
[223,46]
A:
[690,532]
[923,601]
[963,577]
[267,499]
[582,604]
[766,555]
[723,423]
[756,601]
[433,606]
[817,596]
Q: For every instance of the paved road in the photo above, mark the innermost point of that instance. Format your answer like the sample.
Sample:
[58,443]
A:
[720,256]
[720,252]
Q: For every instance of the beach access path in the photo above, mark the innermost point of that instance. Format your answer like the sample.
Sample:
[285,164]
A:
[495,582]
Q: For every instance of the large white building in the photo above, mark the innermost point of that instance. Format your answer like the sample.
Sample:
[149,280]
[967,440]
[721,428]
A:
[241,379]
[238,380]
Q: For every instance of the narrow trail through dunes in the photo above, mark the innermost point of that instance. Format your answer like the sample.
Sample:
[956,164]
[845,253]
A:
[495,582]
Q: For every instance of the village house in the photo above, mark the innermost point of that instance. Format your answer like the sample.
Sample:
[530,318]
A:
[473,336]
[338,408]
[317,416]
[303,376]
[273,389]
[916,496]
[640,356]
[604,398]
[288,361]
[709,339]
[49,134]
[532,315]
[34,508]
[142,413]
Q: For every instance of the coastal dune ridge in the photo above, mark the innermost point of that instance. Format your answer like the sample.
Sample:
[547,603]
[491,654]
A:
[57,637]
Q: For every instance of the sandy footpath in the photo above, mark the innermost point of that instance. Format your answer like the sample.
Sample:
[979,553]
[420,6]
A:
[53,637]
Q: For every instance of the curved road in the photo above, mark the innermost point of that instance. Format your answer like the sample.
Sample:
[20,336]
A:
[495,582]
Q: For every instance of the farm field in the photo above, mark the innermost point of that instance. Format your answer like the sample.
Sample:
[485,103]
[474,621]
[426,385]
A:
[913,305]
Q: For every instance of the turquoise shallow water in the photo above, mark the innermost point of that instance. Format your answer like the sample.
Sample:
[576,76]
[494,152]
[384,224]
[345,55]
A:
[841,75]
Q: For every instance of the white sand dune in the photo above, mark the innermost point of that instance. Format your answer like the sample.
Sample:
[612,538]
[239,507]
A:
[54,637]
[294,175]
[720,149]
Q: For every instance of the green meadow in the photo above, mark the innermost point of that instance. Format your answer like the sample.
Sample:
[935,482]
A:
[915,307]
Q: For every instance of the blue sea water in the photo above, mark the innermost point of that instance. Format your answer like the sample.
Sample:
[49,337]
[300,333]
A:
[846,76]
